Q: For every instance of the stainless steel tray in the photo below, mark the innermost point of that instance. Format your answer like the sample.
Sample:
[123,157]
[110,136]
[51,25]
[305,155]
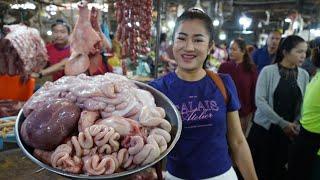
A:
[172,115]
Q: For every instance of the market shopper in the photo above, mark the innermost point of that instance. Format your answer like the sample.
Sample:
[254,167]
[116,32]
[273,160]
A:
[210,124]
[165,51]
[308,65]
[266,55]
[279,93]
[303,153]
[244,73]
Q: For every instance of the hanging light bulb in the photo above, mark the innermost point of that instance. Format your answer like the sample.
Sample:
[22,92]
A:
[222,36]
[245,21]
[215,22]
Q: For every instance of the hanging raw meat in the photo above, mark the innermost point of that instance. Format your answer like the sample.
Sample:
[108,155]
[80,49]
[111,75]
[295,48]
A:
[22,51]
[84,42]
[134,26]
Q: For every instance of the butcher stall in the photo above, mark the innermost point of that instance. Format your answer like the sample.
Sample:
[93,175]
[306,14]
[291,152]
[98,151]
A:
[25,29]
[85,125]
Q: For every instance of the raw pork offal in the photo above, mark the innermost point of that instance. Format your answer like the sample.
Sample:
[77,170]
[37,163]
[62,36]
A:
[47,127]
[84,40]
[96,62]
[22,51]
[90,143]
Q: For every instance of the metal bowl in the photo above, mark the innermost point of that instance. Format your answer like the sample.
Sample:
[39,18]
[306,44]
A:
[172,115]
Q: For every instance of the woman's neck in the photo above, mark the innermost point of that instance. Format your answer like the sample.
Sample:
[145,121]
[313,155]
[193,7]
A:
[287,64]
[193,75]
[238,61]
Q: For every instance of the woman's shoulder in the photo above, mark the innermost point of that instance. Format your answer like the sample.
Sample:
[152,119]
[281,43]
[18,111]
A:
[162,81]
[228,64]
[303,72]
[226,78]
[269,69]
[225,67]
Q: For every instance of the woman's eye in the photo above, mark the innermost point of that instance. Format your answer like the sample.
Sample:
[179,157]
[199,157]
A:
[181,38]
[198,40]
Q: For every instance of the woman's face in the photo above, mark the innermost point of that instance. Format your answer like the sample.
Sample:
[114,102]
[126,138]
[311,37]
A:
[297,54]
[191,45]
[60,34]
[235,52]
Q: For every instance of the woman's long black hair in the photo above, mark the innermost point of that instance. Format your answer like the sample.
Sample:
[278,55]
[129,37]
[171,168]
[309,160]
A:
[286,45]
[247,61]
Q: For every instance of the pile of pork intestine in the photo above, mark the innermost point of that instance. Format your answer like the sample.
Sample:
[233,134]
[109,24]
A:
[119,127]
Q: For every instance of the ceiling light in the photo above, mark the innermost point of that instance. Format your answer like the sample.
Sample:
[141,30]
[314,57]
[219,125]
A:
[49,33]
[287,20]
[245,22]
[51,8]
[216,22]
[164,29]
[222,36]
[246,32]
[26,5]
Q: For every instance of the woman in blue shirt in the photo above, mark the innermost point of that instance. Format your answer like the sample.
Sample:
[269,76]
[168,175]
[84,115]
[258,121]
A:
[210,125]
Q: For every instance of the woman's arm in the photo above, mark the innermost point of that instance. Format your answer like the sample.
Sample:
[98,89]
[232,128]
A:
[239,147]
[261,96]
[51,69]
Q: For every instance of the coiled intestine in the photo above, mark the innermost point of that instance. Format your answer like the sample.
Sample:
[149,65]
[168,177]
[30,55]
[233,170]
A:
[96,165]
[154,117]
[149,152]
[62,159]
[99,135]
[99,148]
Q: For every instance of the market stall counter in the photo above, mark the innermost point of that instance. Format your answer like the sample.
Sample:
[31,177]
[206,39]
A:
[14,164]
[26,169]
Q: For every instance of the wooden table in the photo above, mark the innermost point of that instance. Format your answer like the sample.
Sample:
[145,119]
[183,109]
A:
[15,165]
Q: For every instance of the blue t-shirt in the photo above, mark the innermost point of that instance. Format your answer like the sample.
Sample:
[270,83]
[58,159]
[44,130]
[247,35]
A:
[202,150]
[262,58]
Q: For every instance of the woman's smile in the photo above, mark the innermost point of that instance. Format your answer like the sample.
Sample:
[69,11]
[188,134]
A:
[186,57]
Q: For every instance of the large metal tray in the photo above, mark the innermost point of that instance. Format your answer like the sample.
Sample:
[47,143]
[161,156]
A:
[172,115]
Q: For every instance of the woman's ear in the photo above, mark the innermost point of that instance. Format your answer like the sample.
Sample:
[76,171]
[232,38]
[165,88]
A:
[284,52]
